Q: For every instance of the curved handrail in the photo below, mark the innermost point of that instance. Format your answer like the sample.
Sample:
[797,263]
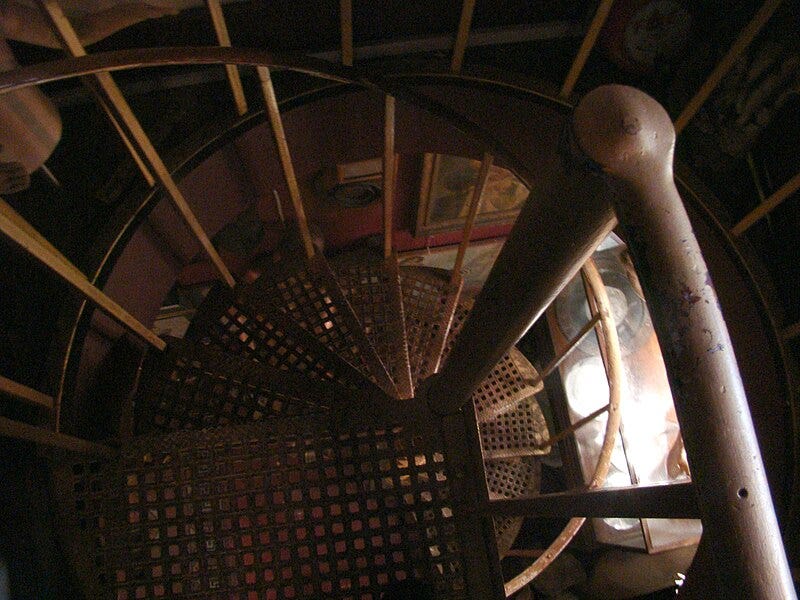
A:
[616,375]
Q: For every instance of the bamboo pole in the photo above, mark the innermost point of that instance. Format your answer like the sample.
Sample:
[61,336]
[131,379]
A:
[766,207]
[740,45]
[26,394]
[221,29]
[44,437]
[586,47]
[21,233]
[388,175]
[474,204]
[116,100]
[286,159]
[791,332]
[564,434]
[346,25]
[91,85]
[460,46]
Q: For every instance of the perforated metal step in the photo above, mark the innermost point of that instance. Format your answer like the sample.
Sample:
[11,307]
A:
[430,301]
[294,510]
[306,290]
[190,386]
[372,286]
[230,322]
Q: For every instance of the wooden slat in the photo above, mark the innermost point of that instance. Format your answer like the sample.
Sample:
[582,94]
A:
[475,202]
[388,175]
[44,437]
[286,159]
[91,85]
[116,101]
[586,47]
[666,501]
[724,65]
[766,207]
[11,224]
[791,332]
[221,29]
[24,393]
[346,25]
[464,24]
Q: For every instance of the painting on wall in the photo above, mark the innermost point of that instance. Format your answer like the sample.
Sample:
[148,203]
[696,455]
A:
[478,261]
[446,189]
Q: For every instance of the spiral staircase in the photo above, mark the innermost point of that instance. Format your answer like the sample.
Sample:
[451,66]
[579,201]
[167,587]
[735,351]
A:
[343,426]
[243,476]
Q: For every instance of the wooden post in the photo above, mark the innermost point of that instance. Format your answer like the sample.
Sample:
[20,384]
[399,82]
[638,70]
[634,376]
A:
[724,65]
[766,207]
[221,29]
[586,47]
[630,137]
[474,205]
[21,233]
[462,35]
[25,394]
[286,159]
[346,23]
[44,437]
[123,113]
[388,176]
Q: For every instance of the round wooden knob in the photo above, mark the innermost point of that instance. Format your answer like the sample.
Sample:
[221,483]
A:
[626,132]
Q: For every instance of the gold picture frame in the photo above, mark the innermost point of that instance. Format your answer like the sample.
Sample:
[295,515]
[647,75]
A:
[446,188]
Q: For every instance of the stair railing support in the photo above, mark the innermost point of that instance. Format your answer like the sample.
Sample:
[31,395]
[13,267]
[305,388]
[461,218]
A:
[629,137]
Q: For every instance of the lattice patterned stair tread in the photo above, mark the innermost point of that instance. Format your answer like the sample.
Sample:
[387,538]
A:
[292,510]
[430,301]
[521,431]
[233,324]
[508,384]
[372,287]
[512,478]
[307,291]
[190,386]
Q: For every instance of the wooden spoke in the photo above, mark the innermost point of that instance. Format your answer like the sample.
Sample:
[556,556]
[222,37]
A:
[93,87]
[792,331]
[21,233]
[221,29]
[586,47]
[474,205]
[740,45]
[388,176]
[123,113]
[567,350]
[667,501]
[562,435]
[25,394]
[462,36]
[766,207]
[346,25]
[44,437]
[286,159]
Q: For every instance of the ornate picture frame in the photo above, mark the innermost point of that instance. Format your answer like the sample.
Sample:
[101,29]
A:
[446,187]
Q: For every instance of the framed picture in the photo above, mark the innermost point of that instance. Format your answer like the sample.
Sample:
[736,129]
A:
[478,261]
[446,189]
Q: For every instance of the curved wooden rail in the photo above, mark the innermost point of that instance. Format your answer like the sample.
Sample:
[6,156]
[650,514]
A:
[616,378]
